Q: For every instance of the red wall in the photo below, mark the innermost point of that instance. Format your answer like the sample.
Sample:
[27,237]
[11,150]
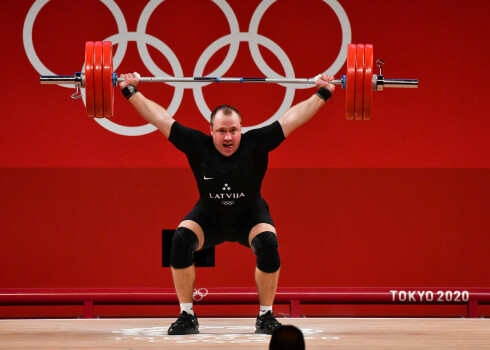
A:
[401,200]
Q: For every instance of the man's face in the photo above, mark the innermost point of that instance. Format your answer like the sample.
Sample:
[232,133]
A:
[226,133]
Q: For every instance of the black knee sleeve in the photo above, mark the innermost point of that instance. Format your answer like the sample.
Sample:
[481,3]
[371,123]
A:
[184,244]
[265,245]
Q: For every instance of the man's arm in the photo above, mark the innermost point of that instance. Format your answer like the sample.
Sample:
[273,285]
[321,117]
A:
[304,111]
[149,110]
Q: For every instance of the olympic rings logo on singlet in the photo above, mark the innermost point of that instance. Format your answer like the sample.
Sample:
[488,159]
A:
[233,39]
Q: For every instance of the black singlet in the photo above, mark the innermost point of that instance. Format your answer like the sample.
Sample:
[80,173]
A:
[229,187]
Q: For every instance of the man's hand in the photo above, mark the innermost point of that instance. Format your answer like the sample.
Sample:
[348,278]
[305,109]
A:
[130,79]
[321,80]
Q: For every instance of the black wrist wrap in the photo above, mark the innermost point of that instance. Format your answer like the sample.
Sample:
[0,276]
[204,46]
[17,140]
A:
[324,93]
[129,91]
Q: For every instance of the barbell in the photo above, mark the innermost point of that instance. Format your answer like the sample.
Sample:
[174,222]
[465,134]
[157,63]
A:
[99,80]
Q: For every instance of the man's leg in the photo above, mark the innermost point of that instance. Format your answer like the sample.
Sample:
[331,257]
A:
[184,283]
[266,281]
[263,240]
[266,286]
[184,277]
[184,274]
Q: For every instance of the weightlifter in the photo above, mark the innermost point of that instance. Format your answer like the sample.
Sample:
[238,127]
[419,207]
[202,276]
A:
[229,168]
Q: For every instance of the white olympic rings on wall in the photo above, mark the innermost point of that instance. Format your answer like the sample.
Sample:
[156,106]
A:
[199,294]
[233,39]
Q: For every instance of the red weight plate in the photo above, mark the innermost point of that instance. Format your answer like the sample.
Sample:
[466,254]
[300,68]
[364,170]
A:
[89,78]
[351,82]
[359,82]
[98,89]
[368,81]
[107,79]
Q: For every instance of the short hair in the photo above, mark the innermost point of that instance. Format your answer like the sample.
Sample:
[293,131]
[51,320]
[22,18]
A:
[287,338]
[227,110]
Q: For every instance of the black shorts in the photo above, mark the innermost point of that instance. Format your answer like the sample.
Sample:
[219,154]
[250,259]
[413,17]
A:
[228,228]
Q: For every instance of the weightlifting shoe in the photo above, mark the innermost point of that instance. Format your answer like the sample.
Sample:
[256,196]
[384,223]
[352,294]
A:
[267,323]
[185,324]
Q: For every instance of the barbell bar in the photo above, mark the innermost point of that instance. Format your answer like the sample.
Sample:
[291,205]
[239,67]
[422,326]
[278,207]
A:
[99,80]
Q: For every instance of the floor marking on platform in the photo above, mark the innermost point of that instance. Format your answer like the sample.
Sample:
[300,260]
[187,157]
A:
[247,335]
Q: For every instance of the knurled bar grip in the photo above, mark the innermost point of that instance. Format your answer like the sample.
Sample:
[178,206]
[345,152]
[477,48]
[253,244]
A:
[230,80]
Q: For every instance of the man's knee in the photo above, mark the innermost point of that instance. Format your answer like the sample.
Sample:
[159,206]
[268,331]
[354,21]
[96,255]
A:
[265,245]
[184,244]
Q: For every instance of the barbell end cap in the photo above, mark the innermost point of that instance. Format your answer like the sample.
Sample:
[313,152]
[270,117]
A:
[114,79]
[57,79]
